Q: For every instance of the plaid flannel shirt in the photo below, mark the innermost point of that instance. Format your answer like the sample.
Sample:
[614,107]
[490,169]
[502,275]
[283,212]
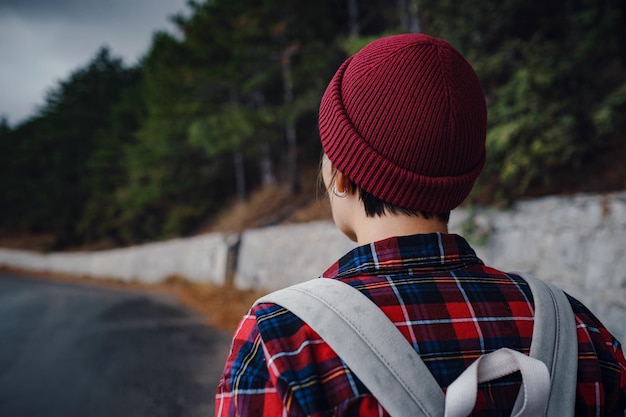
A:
[445,301]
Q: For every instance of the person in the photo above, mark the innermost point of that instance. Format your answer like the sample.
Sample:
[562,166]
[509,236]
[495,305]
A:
[403,125]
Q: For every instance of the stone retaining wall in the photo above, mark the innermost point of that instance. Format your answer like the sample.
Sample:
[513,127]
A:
[577,242]
[279,256]
[199,259]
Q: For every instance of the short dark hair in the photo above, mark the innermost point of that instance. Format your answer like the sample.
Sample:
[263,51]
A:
[374,206]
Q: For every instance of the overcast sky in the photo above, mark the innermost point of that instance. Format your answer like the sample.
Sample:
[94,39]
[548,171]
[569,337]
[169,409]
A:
[44,41]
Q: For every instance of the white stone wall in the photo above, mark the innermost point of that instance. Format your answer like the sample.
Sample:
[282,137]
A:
[199,259]
[280,256]
[577,242]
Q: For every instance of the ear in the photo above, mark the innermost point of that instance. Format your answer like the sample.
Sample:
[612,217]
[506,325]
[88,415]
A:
[342,182]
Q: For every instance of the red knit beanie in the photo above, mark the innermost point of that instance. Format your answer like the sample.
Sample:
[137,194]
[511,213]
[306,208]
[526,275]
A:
[405,119]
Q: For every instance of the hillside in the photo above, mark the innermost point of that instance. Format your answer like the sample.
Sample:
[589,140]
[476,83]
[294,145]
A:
[271,206]
[223,306]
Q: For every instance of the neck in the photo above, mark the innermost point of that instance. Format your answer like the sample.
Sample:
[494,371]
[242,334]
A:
[372,229]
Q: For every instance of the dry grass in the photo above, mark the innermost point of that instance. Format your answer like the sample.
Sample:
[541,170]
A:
[270,206]
[223,306]
[27,241]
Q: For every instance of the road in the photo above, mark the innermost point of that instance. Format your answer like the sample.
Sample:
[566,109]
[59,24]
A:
[71,349]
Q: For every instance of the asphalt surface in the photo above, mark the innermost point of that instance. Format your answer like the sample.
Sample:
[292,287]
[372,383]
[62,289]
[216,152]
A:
[83,350]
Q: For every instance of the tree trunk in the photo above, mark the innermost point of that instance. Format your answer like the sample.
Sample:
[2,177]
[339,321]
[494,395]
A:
[240,174]
[268,179]
[353,12]
[266,166]
[414,21]
[290,122]
[238,159]
[408,15]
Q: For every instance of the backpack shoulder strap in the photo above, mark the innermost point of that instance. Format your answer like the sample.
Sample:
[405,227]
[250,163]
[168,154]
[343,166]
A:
[361,335]
[555,343]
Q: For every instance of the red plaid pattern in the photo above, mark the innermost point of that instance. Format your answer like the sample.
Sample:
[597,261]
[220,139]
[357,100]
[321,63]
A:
[444,300]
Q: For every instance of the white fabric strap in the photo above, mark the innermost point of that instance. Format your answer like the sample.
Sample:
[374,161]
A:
[555,343]
[375,350]
[461,394]
[368,342]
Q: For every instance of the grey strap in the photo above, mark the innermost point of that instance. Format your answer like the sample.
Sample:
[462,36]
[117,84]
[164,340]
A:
[555,343]
[355,328]
[375,350]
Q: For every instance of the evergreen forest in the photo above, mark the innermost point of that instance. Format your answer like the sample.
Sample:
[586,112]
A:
[228,105]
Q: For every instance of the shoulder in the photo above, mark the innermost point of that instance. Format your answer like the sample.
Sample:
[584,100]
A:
[264,335]
[591,330]
[280,329]
[593,336]
[601,363]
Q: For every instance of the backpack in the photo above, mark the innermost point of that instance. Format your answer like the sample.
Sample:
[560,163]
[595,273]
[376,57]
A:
[375,350]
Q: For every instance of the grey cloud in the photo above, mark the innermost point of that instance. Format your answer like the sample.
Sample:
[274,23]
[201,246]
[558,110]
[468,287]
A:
[42,42]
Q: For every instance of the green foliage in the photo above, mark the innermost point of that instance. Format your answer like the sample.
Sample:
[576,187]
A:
[64,156]
[133,154]
[608,116]
[552,72]
[219,132]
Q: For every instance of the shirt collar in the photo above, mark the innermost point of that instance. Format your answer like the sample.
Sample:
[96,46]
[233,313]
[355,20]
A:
[413,254]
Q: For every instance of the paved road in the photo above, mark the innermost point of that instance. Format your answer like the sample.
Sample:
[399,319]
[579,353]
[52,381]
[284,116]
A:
[79,350]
